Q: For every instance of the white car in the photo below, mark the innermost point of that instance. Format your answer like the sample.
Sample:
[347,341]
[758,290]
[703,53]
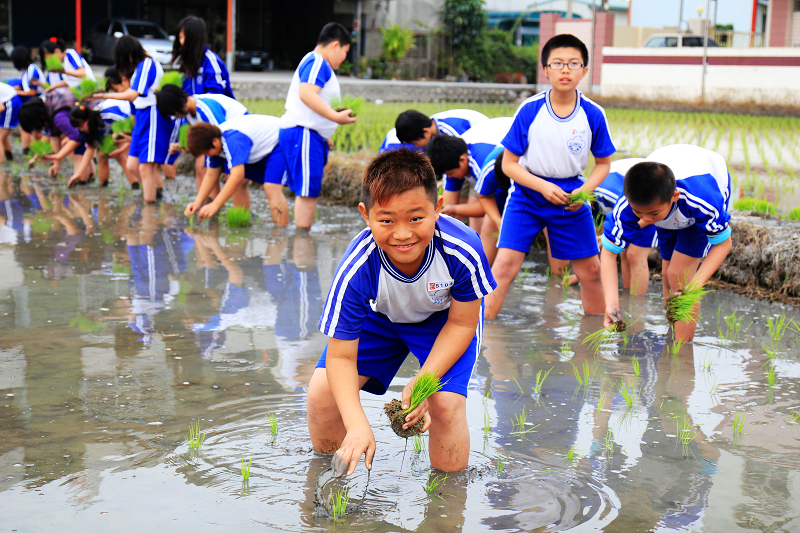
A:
[156,42]
[677,40]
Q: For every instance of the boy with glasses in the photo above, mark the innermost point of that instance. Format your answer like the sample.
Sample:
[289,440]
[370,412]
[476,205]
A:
[546,151]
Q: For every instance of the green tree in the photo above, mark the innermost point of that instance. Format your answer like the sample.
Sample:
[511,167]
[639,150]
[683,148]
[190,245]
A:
[465,20]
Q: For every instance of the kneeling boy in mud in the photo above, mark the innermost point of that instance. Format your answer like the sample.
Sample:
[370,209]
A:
[412,281]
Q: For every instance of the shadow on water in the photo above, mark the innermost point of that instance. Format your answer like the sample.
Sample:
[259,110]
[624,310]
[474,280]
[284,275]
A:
[124,325]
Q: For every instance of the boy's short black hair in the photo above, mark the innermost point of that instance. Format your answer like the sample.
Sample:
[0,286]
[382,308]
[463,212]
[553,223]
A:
[395,172]
[648,182]
[445,153]
[171,100]
[565,40]
[21,57]
[409,125]
[112,78]
[333,31]
[503,181]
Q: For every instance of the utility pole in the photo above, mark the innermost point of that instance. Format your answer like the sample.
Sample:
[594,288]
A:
[594,29]
[705,52]
[680,17]
[569,9]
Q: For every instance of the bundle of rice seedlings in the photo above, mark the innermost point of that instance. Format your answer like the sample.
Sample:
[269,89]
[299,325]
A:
[581,197]
[122,126]
[173,77]
[106,145]
[348,101]
[749,205]
[238,217]
[183,136]
[679,307]
[87,88]
[52,62]
[427,384]
[41,148]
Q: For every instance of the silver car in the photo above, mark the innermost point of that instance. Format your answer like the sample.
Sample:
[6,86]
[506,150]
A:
[104,35]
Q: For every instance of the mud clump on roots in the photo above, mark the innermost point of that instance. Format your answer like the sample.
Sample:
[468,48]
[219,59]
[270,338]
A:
[669,309]
[619,326]
[396,415]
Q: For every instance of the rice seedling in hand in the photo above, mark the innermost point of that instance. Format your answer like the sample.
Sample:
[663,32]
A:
[53,63]
[106,145]
[195,438]
[425,385]
[581,197]
[122,126]
[273,423]
[87,88]
[40,148]
[173,77]
[237,217]
[340,500]
[680,307]
[433,484]
[246,469]
[348,101]
[183,136]
[540,377]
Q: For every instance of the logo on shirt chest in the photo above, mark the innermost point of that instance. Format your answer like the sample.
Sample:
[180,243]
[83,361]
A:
[577,142]
[439,291]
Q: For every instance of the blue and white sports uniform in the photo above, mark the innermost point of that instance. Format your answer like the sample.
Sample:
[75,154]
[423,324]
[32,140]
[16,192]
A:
[487,182]
[555,149]
[252,141]
[391,314]
[73,61]
[304,133]
[215,109]
[112,111]
[454,122]
[481,141]
[53,77]
[697,221]
[611,190]
[391,142]
[12,103]
[211,78]
[33,72]
[151,130]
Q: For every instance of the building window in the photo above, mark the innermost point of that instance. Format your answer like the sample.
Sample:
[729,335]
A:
[796,6]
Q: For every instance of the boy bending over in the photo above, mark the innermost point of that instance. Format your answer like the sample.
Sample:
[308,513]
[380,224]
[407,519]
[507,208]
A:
[412,281]
[684,191]
[244,148]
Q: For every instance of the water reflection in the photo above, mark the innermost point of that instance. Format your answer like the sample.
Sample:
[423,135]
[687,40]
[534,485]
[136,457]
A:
[122,324]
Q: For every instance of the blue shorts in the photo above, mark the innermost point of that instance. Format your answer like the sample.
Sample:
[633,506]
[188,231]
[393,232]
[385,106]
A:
[645,237]
[150,137]
[271,169]
[571,234]
[383,346]
[689,241]
[8,118]
[81,149]
[306,154]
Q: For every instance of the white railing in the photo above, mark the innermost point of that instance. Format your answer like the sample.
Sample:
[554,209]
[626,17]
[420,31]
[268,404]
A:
[739,39]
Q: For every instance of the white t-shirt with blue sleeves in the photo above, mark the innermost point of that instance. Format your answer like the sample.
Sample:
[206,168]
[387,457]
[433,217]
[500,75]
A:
[113,111]
[74,61]
[556,147]
[215,109]
[704,185]
[246,139]
[316,70]
[487,182]
[366,281]
[456,122]
[481,141]
[391,142]
[33,72]
[145,81]
[612,188]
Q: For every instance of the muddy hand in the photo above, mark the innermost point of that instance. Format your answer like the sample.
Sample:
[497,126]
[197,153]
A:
[358,441]
[420,412]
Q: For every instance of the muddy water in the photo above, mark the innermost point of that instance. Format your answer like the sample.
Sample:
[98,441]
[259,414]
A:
[121,325]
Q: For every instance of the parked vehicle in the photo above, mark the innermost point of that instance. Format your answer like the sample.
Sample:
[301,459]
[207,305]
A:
[155,41]
[677,40]
[251,60]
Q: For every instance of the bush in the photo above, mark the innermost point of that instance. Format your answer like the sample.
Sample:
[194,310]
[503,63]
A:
[465,20]
[493,53]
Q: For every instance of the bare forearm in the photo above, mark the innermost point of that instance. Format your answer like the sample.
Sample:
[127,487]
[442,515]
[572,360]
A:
[86,160]
[451,343]
[210,179]
[609,278]
[314,101]
[451,197]
[233,182]
[67,149]
[130,95]
[490,208]
[712,262]
[598,174]
[474,209]
[342,373]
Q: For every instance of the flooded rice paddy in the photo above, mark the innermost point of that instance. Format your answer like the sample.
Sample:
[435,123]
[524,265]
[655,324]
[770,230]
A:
[121,326]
